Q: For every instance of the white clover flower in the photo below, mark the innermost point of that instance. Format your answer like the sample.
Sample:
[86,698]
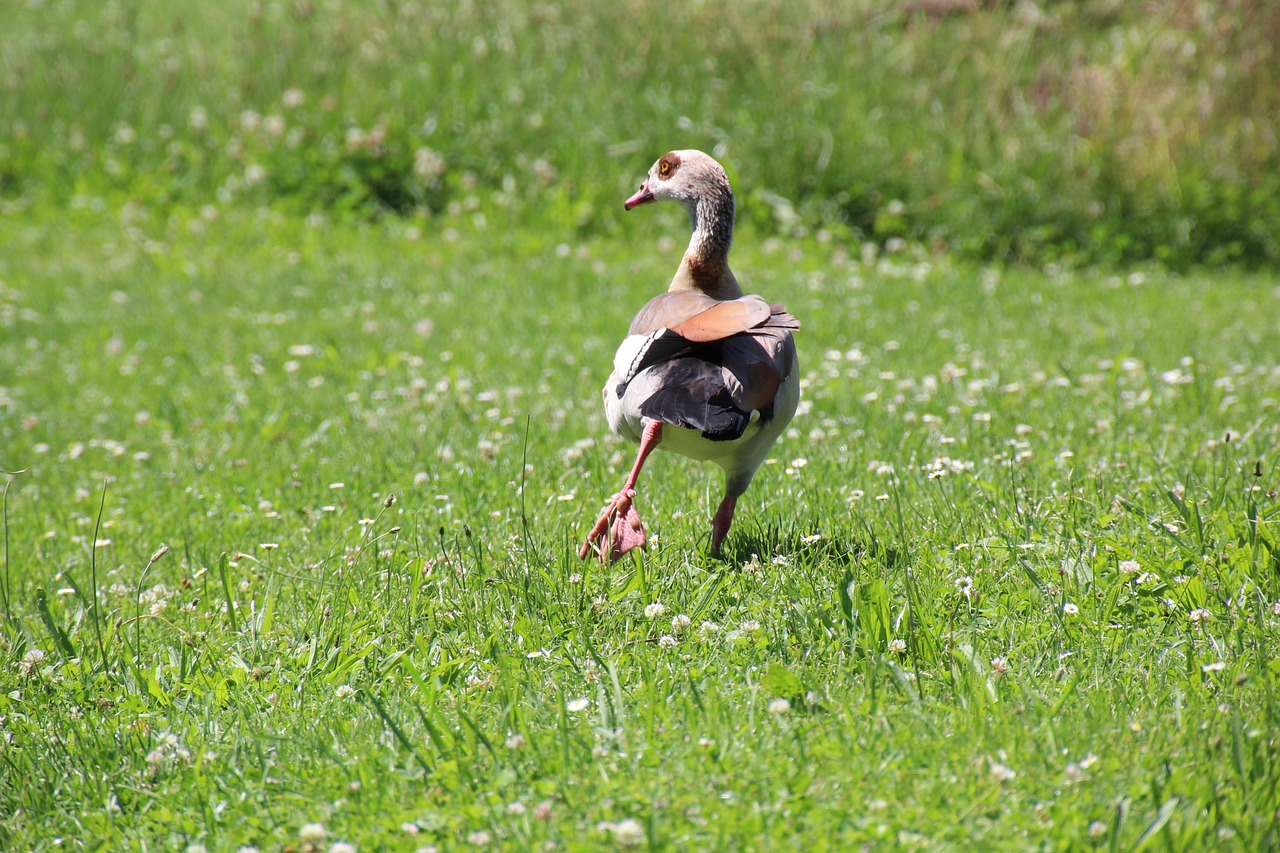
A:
[342,847]
[516,808]
[667,641]
[999,667]
[479,838]
[897,645]
[1129,567]
[515,741]
[779,706]
[628,832]
[345,691]
[312,833]
[710,629]
[1001,773]
[749,626]
[680,622]
[1199,615]
[654,610]
[1097,829]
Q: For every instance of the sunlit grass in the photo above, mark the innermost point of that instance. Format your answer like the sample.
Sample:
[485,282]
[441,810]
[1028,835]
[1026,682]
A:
[1011,579]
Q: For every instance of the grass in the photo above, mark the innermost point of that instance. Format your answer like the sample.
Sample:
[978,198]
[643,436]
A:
[1013,579]
[1075,133]
[304,309]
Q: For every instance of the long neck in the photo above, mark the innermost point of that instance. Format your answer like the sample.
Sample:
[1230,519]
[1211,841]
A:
[705,265]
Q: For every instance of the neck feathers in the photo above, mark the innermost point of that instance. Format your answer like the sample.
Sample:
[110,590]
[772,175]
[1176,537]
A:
[705,266]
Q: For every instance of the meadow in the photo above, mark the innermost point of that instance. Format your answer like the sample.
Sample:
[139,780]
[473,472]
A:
[297,471]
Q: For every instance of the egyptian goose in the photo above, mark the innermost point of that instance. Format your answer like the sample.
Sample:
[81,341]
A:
[704,370]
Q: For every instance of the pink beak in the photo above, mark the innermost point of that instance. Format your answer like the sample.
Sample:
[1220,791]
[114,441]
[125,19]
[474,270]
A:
[642,196]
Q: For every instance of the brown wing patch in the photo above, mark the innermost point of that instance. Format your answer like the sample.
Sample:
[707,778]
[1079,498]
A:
[700,318]
[669,310]
[724,319]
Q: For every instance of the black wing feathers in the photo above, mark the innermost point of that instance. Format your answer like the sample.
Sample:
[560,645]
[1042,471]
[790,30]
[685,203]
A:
[691,392]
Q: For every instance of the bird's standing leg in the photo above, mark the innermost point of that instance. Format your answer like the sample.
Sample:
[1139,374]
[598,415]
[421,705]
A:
[618,529]
[721,521]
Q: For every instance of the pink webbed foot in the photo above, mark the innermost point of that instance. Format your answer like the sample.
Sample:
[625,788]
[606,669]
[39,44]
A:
[617,531]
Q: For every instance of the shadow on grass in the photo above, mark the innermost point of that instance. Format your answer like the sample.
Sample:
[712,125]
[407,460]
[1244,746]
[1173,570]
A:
[810,543]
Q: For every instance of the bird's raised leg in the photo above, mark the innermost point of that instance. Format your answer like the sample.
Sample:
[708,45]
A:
[720,522]
[619,529]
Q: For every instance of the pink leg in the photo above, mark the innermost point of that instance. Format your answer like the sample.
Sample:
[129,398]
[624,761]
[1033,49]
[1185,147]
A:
[618,529]
[721,521]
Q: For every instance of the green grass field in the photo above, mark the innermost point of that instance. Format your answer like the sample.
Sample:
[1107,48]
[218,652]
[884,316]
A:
[1015,570]
[304,313]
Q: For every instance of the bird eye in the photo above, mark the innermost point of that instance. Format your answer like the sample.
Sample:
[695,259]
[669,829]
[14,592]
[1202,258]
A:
[664,168]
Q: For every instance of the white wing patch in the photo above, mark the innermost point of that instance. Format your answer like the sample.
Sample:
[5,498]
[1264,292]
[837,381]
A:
[626,360]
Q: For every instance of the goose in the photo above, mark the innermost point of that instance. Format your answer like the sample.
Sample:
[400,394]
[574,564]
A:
[704,371]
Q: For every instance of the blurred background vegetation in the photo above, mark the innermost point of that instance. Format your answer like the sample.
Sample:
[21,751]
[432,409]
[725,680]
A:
[1083,132]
